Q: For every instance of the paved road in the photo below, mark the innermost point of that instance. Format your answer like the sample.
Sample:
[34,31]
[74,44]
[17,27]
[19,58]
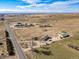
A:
[1,57]
[16,45]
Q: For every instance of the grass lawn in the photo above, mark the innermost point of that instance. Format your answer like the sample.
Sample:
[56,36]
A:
[59,51]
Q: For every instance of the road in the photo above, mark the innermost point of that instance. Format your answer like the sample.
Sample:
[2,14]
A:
[1,57]
[16,45]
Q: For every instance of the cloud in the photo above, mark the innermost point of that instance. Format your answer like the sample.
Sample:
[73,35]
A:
[58,6]
[31,1]
[37,1]
[54,5]
[11,10]
[36,7]
[20,10]
[32,6]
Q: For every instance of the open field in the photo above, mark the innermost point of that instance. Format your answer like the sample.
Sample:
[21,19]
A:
[59,22]
[60,50]
[62,22]
[3,46]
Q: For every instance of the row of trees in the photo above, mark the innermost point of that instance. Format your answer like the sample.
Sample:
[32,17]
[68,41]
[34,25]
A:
[10,47]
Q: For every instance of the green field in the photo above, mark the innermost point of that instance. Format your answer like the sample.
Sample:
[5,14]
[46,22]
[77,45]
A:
[60,49]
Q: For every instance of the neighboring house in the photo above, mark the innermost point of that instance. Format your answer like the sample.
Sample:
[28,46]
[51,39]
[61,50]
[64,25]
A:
[23,25]
[63,34]
[19,25]
[45,25]
[47,40]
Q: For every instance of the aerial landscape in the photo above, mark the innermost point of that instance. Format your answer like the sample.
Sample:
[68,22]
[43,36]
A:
[49,36]
[39,29]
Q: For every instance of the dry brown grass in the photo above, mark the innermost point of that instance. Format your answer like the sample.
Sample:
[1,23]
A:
[60,22]
[3,48]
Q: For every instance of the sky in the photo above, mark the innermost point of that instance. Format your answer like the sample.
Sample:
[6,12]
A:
[39,6]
